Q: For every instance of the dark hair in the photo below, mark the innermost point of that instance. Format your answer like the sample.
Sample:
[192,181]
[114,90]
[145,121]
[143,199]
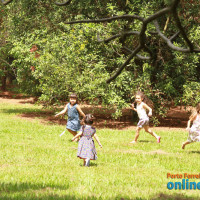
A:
[89,119]
[74,95]
[198,108]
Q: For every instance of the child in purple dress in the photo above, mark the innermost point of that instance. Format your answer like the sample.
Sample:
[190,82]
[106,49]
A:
[194,131]
[86,146]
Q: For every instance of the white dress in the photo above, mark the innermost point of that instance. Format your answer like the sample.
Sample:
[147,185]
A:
[143,118]
[194,133]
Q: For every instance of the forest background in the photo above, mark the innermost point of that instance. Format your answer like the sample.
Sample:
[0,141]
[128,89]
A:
[49,59]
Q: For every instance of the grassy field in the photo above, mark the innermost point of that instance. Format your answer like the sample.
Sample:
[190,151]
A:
[35,163]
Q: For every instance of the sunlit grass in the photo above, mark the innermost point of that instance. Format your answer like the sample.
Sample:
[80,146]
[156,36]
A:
[35,163]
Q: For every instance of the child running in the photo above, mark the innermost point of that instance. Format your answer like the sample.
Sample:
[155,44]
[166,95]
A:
[143,117]
[194,131]
[86,146]
[73,111]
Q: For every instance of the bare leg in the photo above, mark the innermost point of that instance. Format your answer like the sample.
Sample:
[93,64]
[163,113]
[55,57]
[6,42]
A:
[185,143]
[136,135]
[73,133]
[148,130]
[84,161]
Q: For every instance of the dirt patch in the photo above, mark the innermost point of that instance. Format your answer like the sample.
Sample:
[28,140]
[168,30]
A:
[12,95]
[4,166]
[144,152]
[177,117]
[158,152]
[30,100]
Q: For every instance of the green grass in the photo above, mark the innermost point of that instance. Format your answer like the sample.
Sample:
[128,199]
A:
[35,163]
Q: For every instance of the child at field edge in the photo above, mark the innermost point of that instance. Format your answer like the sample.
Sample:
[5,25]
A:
[73,111]
[86,146]
[143,117]
[194,131]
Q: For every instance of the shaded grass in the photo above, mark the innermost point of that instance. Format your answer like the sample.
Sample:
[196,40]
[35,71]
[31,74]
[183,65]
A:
[35,163]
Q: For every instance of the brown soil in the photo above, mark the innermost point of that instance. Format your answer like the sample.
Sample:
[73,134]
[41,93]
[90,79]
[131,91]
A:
[176,117]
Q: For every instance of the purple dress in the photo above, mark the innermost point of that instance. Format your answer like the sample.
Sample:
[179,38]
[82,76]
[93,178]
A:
[86,146]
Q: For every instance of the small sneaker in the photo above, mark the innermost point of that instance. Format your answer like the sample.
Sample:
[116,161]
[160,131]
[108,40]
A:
[133,142]
[158,140]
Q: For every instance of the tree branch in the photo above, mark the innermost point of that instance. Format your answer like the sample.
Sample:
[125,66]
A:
[118,72]
[157,15]
[6,2]
[5,61]
[142,33]
[63,4]
[118,35]
[107,19]
[169,43]
[58,4]
[138,55]
[142,36]
[174,36]
[182,31]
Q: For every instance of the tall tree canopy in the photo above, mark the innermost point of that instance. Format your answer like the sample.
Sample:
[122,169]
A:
[60,47]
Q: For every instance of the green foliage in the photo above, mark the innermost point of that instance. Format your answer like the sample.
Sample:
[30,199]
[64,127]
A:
[69,59]
[191,93]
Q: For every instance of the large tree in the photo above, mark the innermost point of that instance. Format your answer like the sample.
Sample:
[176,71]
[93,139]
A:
[156,41]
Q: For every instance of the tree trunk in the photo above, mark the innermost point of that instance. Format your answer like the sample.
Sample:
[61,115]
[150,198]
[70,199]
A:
[3,83]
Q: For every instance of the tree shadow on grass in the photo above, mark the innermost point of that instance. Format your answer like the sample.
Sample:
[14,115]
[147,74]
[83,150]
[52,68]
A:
[28,191]
[163,196]
[145,141]
[91,165]
[27,111]
[198,152]
[13,187]
[46,116]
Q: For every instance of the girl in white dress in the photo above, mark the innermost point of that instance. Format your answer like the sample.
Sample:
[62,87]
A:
[143,117]
[194,131]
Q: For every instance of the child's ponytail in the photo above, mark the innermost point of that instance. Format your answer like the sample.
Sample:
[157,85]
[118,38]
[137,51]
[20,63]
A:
[89,119]
[198,108]
[195,112]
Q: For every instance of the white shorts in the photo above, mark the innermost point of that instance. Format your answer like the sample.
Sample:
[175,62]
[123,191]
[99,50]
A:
[143,122]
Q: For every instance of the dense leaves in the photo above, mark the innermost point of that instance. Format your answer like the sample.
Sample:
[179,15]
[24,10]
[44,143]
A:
[52,59]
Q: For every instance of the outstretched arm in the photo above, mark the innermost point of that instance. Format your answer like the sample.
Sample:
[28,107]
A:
[80,111]
[62,112]
[133,107]
[145,106]
[97,139]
